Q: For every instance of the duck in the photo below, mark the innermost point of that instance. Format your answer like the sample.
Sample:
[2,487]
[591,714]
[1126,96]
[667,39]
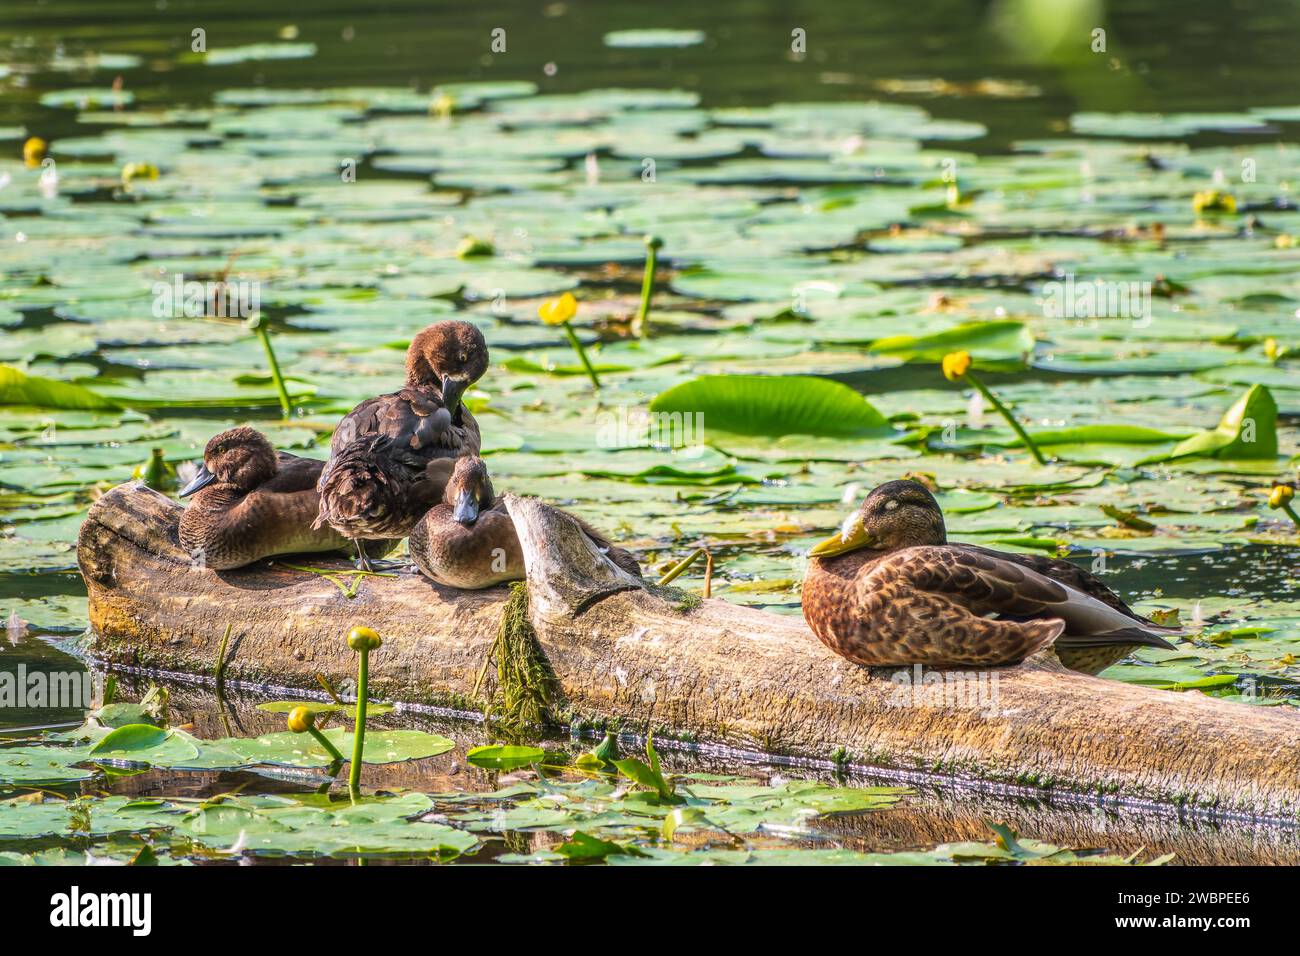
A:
[390,456]
[468,540]
[891,589]
[249,502]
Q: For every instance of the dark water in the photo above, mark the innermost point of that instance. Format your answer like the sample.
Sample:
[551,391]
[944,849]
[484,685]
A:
[1196,55]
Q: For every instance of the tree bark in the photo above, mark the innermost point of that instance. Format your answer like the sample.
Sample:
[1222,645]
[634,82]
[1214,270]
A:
[658,659]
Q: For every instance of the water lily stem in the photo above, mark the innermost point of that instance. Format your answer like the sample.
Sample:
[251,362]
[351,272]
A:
[672,573]
[582,355]
[219,672]
[1006,414]
[647,284]
[359,726]
[1290,513]
[264,336]
[329,748]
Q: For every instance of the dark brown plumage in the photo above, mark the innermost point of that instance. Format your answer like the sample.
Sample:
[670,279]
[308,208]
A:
[382,473]
[890,590]
[250,502]
[469,541]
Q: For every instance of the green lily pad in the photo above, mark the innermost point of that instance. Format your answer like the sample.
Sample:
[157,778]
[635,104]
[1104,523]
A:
[500,757]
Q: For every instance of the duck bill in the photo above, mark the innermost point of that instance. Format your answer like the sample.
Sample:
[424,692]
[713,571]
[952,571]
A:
[852,537]
[466,510]
[452,390]
[201,480]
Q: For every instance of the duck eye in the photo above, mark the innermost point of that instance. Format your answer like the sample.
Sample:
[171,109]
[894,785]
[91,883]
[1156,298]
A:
[463,358]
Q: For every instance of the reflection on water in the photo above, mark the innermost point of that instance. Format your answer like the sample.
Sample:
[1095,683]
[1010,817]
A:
[1159,56]
[936,812]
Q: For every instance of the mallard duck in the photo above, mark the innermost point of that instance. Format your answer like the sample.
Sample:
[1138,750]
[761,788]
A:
[383,470]
[890,589]
[469,541]
[250,502]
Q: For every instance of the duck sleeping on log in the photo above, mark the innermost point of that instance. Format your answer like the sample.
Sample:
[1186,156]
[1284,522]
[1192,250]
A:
[890,589]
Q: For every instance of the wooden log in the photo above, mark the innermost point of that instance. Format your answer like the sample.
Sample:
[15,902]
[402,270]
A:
[655,659]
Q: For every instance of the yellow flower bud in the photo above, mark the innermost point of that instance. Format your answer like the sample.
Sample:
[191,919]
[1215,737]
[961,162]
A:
[1280,495]
[1211,200]
[472,247]
[33,152]
[301,720]
[364,639]
[1271,349]
[955,365]
[442,105]
[559,310]
[139,171]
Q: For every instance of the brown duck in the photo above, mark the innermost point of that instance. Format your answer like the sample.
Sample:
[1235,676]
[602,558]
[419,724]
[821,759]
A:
[250,502]
[390,456]
[890,589]
[469,541]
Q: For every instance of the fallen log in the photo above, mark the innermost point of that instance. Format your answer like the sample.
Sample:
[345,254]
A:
[692,670]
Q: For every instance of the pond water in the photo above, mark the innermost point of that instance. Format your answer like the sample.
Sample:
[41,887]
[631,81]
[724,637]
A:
[913,180]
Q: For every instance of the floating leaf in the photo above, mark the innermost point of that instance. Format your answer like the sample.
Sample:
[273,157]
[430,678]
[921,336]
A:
[500,757]
[130,738]
[19,388]
[653,38]
[774,406]
[1247,432]
[1001,342]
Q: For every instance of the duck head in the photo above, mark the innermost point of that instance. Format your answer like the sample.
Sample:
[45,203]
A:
[897,514]
[450,356]
[239,456]
[469,490]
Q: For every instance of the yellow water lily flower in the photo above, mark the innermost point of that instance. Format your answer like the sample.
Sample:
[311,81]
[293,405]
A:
[1280,496]
[1211,200]
[442,106]
[139,171]
[559,310]
[364,639]
[472,247]
[955,365]
[301,720]
[33,152]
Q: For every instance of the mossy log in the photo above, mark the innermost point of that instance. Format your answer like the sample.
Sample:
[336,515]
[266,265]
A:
[706,671]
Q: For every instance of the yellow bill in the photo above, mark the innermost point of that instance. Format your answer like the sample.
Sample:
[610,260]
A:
[852,537]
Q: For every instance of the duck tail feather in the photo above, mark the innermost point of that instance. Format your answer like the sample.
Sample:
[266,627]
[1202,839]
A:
[1124,635]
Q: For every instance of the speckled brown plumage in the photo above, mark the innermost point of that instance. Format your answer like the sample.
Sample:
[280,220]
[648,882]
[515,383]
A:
[469,541]
[382,474]
[255,504]
[904,595]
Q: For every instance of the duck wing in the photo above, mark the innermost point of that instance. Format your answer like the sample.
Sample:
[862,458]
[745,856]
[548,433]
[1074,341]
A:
[992,583]
[620,556]
[412,422]
[1070,575]
[294,474]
